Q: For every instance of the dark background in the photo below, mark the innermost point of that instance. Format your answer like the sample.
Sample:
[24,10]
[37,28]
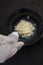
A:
[31,55]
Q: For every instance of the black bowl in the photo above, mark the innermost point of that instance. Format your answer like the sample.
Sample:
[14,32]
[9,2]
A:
[34,17]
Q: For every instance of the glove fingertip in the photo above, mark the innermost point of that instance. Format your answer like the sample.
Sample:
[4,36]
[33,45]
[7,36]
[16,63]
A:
[19,45]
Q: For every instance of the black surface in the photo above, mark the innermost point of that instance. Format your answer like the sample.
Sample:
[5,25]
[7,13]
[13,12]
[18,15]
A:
[31,55]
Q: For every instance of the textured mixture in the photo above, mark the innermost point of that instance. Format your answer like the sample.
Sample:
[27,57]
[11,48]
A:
[25,28]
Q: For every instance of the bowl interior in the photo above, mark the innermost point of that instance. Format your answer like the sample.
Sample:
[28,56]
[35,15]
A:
[33,21]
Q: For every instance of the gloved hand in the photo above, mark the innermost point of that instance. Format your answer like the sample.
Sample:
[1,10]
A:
[9,45]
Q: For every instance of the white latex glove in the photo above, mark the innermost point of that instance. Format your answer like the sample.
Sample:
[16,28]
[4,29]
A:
[9,45]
